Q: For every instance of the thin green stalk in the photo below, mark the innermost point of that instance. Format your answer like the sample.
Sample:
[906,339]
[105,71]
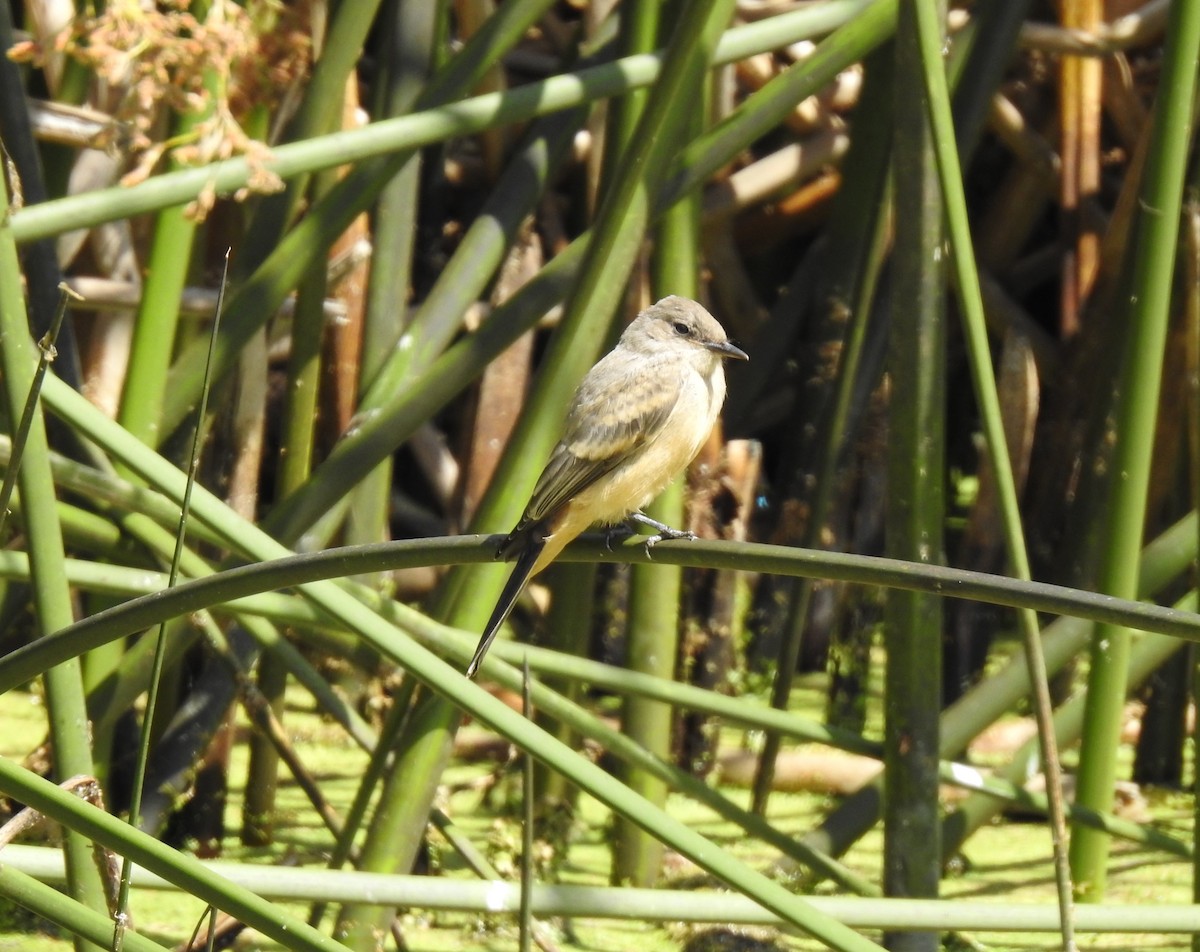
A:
[87,533]
[128,582]
[210,945]
[929,37]
[638,31]
[46,354]
[574,588]
[651,648]
[71,750]
[525,913]
[1148,304]
[157,320]
[262,773]
[273,571]
[662,905]
[1191,270]
[296,450]
[138,779]
[409,42]
[916,508]
[50,904]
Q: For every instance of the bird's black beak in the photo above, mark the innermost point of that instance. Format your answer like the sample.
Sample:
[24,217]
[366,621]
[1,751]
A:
[726,349]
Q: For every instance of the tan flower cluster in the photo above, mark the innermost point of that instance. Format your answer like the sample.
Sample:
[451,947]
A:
[230,67]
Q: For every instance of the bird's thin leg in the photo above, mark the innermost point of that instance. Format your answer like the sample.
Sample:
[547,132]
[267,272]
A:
[662,530]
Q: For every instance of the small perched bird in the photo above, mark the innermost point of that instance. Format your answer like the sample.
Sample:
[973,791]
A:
[638,418]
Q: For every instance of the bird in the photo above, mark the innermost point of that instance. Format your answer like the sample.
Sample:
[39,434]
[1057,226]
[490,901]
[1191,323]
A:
[639,416]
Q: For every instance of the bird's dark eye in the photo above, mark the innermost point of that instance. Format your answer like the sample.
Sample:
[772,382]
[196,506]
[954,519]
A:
[682,329]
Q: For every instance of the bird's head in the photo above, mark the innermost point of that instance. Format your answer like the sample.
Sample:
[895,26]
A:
[677,322]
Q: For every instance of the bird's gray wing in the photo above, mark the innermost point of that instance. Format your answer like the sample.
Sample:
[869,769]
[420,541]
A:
[613,416]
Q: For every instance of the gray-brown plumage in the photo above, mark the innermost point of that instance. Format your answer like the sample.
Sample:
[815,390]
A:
[639,417]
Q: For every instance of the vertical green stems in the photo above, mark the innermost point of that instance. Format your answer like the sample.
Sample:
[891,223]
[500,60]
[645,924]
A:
[915,473]
[1147,312]
[841,312]
[51,594]
[295,465]
[983,377]
[1191,272]
[409,42]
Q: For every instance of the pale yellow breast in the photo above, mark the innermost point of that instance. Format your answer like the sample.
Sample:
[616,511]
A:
[648,470]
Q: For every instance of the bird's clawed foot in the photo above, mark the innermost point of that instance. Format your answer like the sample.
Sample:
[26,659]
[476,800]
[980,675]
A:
[662,530]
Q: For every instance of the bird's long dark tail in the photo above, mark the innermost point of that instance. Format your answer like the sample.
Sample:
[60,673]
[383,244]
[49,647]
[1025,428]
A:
[508,598]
